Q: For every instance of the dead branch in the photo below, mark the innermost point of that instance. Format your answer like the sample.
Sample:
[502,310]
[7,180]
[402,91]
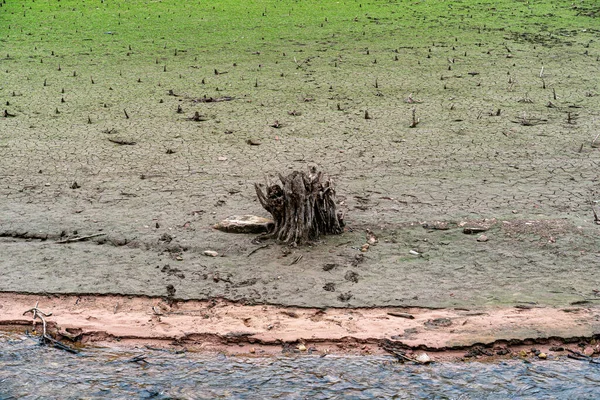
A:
[79,239]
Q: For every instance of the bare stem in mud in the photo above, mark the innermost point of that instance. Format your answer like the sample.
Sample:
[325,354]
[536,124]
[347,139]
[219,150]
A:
[415,120]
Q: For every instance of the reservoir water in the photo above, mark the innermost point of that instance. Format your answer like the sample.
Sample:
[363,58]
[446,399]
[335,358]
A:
[31,371]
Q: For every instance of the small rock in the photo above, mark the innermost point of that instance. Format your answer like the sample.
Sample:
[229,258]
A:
[210,253]
[414,252]
[588,351]
[252,350]
[301,347]
[364,248]
[222,158]
[482,238]
[245,224]
[423,358]
[542,356]
[522,354]
[371,238]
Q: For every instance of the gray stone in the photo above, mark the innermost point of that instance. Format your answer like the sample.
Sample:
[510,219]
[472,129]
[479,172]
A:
[245,224]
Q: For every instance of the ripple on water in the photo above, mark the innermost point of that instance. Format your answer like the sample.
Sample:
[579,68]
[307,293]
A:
[29,371]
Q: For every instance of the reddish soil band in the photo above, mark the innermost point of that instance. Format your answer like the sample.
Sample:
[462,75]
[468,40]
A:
[219,325]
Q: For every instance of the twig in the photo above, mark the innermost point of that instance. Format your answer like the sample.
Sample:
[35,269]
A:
[296,259]
[257,249]
[401,315]
[594,141]
[78,239]
[139,359]
[121,142]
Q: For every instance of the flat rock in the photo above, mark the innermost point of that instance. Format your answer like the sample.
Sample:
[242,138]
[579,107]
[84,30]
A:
[245,224]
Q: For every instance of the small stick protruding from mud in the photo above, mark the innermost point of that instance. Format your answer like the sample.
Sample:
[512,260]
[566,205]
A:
[367,116]
[596,219]
[415,120]
[74,73]
[6,114]
[554,93]
[256,83]
[593,144]
[179,109]
[45,82]
[197,117]
[376,84]
[126,115]
[542,72]
[89,119]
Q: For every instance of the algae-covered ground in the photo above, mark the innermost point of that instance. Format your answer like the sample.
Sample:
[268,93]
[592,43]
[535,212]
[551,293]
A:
[98,137]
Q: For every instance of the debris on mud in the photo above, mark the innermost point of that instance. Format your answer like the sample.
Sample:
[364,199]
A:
[122,142]
[436,225]
[212,99]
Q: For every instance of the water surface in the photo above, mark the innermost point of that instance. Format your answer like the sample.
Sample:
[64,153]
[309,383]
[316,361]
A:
[30,371]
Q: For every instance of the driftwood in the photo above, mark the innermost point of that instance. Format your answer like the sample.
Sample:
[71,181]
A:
[46,338]
[303,207]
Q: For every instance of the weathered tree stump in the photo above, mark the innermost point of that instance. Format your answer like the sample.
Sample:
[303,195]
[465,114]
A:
[303,207]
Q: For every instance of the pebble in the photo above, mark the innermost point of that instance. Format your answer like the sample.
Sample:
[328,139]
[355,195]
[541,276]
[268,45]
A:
[482,238]
[543,356]
[210,253]
[301,347]
[423,358]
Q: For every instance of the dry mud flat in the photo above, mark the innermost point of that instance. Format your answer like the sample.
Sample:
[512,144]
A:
[96,200]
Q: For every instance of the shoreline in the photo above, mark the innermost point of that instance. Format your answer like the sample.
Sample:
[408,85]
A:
[218,325]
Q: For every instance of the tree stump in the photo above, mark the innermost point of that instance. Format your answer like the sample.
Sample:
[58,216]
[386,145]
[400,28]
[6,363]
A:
[303,207]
